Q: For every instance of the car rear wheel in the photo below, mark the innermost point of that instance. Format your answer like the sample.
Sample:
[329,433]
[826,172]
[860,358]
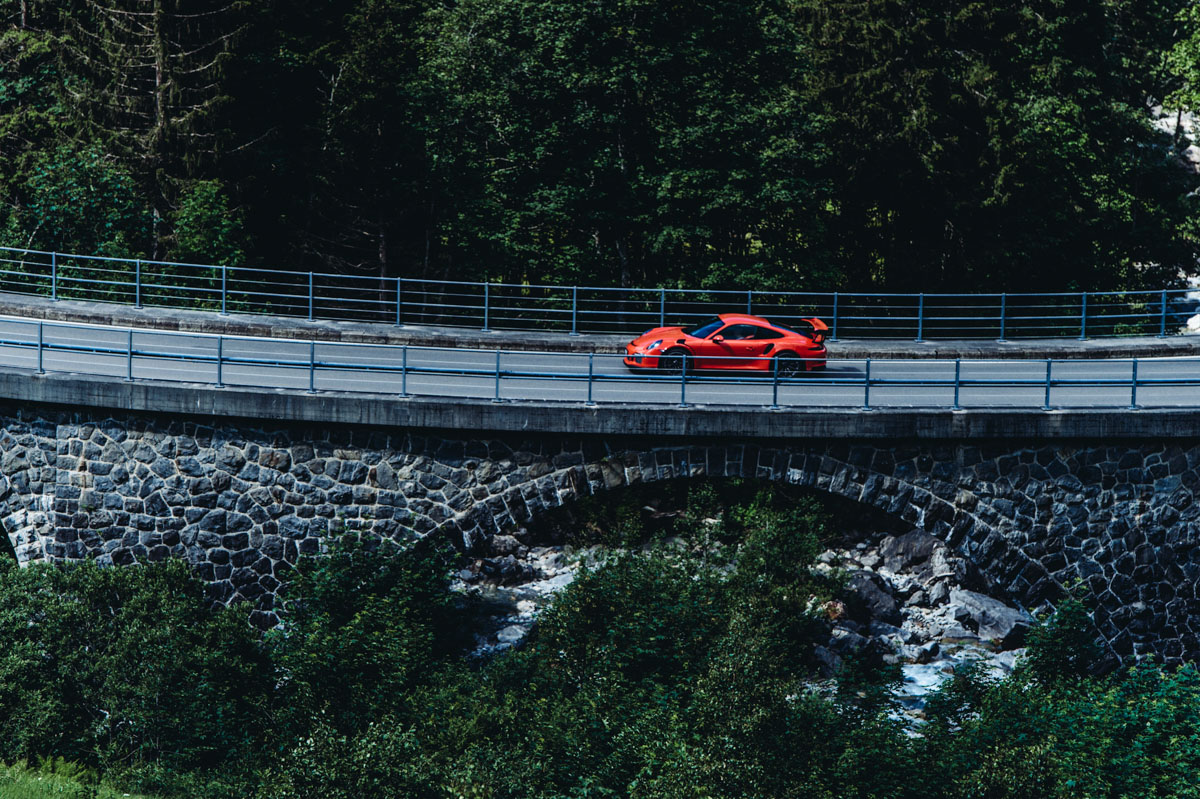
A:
[788,364]
[673,362]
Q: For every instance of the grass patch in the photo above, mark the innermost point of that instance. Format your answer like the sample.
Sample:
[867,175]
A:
[55,779]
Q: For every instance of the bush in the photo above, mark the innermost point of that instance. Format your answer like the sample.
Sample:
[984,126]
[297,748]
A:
[121,668]
[369,621]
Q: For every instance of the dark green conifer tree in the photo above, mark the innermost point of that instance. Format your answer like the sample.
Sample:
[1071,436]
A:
[145,77]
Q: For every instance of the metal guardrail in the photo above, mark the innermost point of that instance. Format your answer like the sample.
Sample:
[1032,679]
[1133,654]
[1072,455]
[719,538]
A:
[591,379]
[583,309]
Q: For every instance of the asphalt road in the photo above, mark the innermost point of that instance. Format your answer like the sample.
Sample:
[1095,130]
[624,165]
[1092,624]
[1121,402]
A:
[454,373]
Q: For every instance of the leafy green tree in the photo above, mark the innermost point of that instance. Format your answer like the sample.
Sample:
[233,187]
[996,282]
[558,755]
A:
[367,623]
[83,201]
[640,142]
[126,669]
[986,139]
[207,229]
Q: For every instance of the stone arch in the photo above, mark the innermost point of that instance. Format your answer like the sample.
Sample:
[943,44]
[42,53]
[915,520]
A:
[242,500]
[865,475]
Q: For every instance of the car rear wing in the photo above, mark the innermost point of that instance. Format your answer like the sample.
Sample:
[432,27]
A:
[819,330]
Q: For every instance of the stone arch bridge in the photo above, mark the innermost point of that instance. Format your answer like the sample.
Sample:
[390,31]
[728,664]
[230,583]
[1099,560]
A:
[1038,501]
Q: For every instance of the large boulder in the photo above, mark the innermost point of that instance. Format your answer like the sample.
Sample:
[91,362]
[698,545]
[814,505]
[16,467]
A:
[929,559]
[906,551]
[869,596]
[992,618]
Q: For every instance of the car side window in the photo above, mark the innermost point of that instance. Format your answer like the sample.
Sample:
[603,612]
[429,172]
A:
[738,332]
[765,333]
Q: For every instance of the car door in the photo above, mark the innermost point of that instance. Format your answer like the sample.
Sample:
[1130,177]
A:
[735,345]
[760,348]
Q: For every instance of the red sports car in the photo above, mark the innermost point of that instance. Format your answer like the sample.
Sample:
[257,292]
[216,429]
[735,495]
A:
[731,341]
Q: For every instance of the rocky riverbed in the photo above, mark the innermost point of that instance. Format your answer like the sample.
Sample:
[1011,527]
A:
[908,600]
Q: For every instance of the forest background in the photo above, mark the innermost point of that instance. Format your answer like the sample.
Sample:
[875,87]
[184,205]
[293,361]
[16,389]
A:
[765,144]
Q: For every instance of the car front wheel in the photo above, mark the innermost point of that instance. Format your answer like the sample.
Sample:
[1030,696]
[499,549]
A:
[673,362]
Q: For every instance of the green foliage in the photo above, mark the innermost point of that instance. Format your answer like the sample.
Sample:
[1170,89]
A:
[54,778]
[368,623]
[153,94]
[658,670]
[772,145]
[627,139]
[1064,649]
[1132,734]
[82,200]
[207,229]
[385,761]
[122,669]
[1183,61]
[989,138]
[678,668]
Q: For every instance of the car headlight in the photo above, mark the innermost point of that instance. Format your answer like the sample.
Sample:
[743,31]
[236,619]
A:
[654,345]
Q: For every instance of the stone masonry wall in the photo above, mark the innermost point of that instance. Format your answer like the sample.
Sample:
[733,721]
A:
[242,502]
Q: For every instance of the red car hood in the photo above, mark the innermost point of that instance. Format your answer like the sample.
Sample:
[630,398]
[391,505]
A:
[668,334]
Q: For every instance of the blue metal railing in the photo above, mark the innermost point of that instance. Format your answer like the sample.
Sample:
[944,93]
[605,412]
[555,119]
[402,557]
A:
[404,371]
[584,309]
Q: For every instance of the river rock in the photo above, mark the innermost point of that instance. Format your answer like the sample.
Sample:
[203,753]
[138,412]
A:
[828,663]
[901,553]
[869,597]
[505,545]
[939,594]
[991,617]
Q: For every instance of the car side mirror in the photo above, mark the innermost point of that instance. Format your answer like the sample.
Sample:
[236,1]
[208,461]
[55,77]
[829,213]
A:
[718,339]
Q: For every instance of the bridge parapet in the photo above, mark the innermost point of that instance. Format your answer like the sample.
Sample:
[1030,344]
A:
[576,309]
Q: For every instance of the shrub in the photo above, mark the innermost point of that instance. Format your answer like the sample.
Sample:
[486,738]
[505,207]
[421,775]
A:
[120,668]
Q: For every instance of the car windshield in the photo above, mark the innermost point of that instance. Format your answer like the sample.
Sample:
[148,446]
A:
[705,330]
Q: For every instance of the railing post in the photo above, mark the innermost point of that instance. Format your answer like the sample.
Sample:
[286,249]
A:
[833,331]
[774,384]
[220,362]
[404,370]
[1083,315]
[1133,385]
[1046,402]
[224,290]
[866,406]
[399,302]
[921,317]
[312,366]
[591,377]
[310,296]
[662,307]
[41,346]
[1162,327]
[137,284]
[749,301]
[54,276]
[574,310]
[957,383]
[683,383]
[129,358]
[487,300]
[496,397]
[1003,316]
